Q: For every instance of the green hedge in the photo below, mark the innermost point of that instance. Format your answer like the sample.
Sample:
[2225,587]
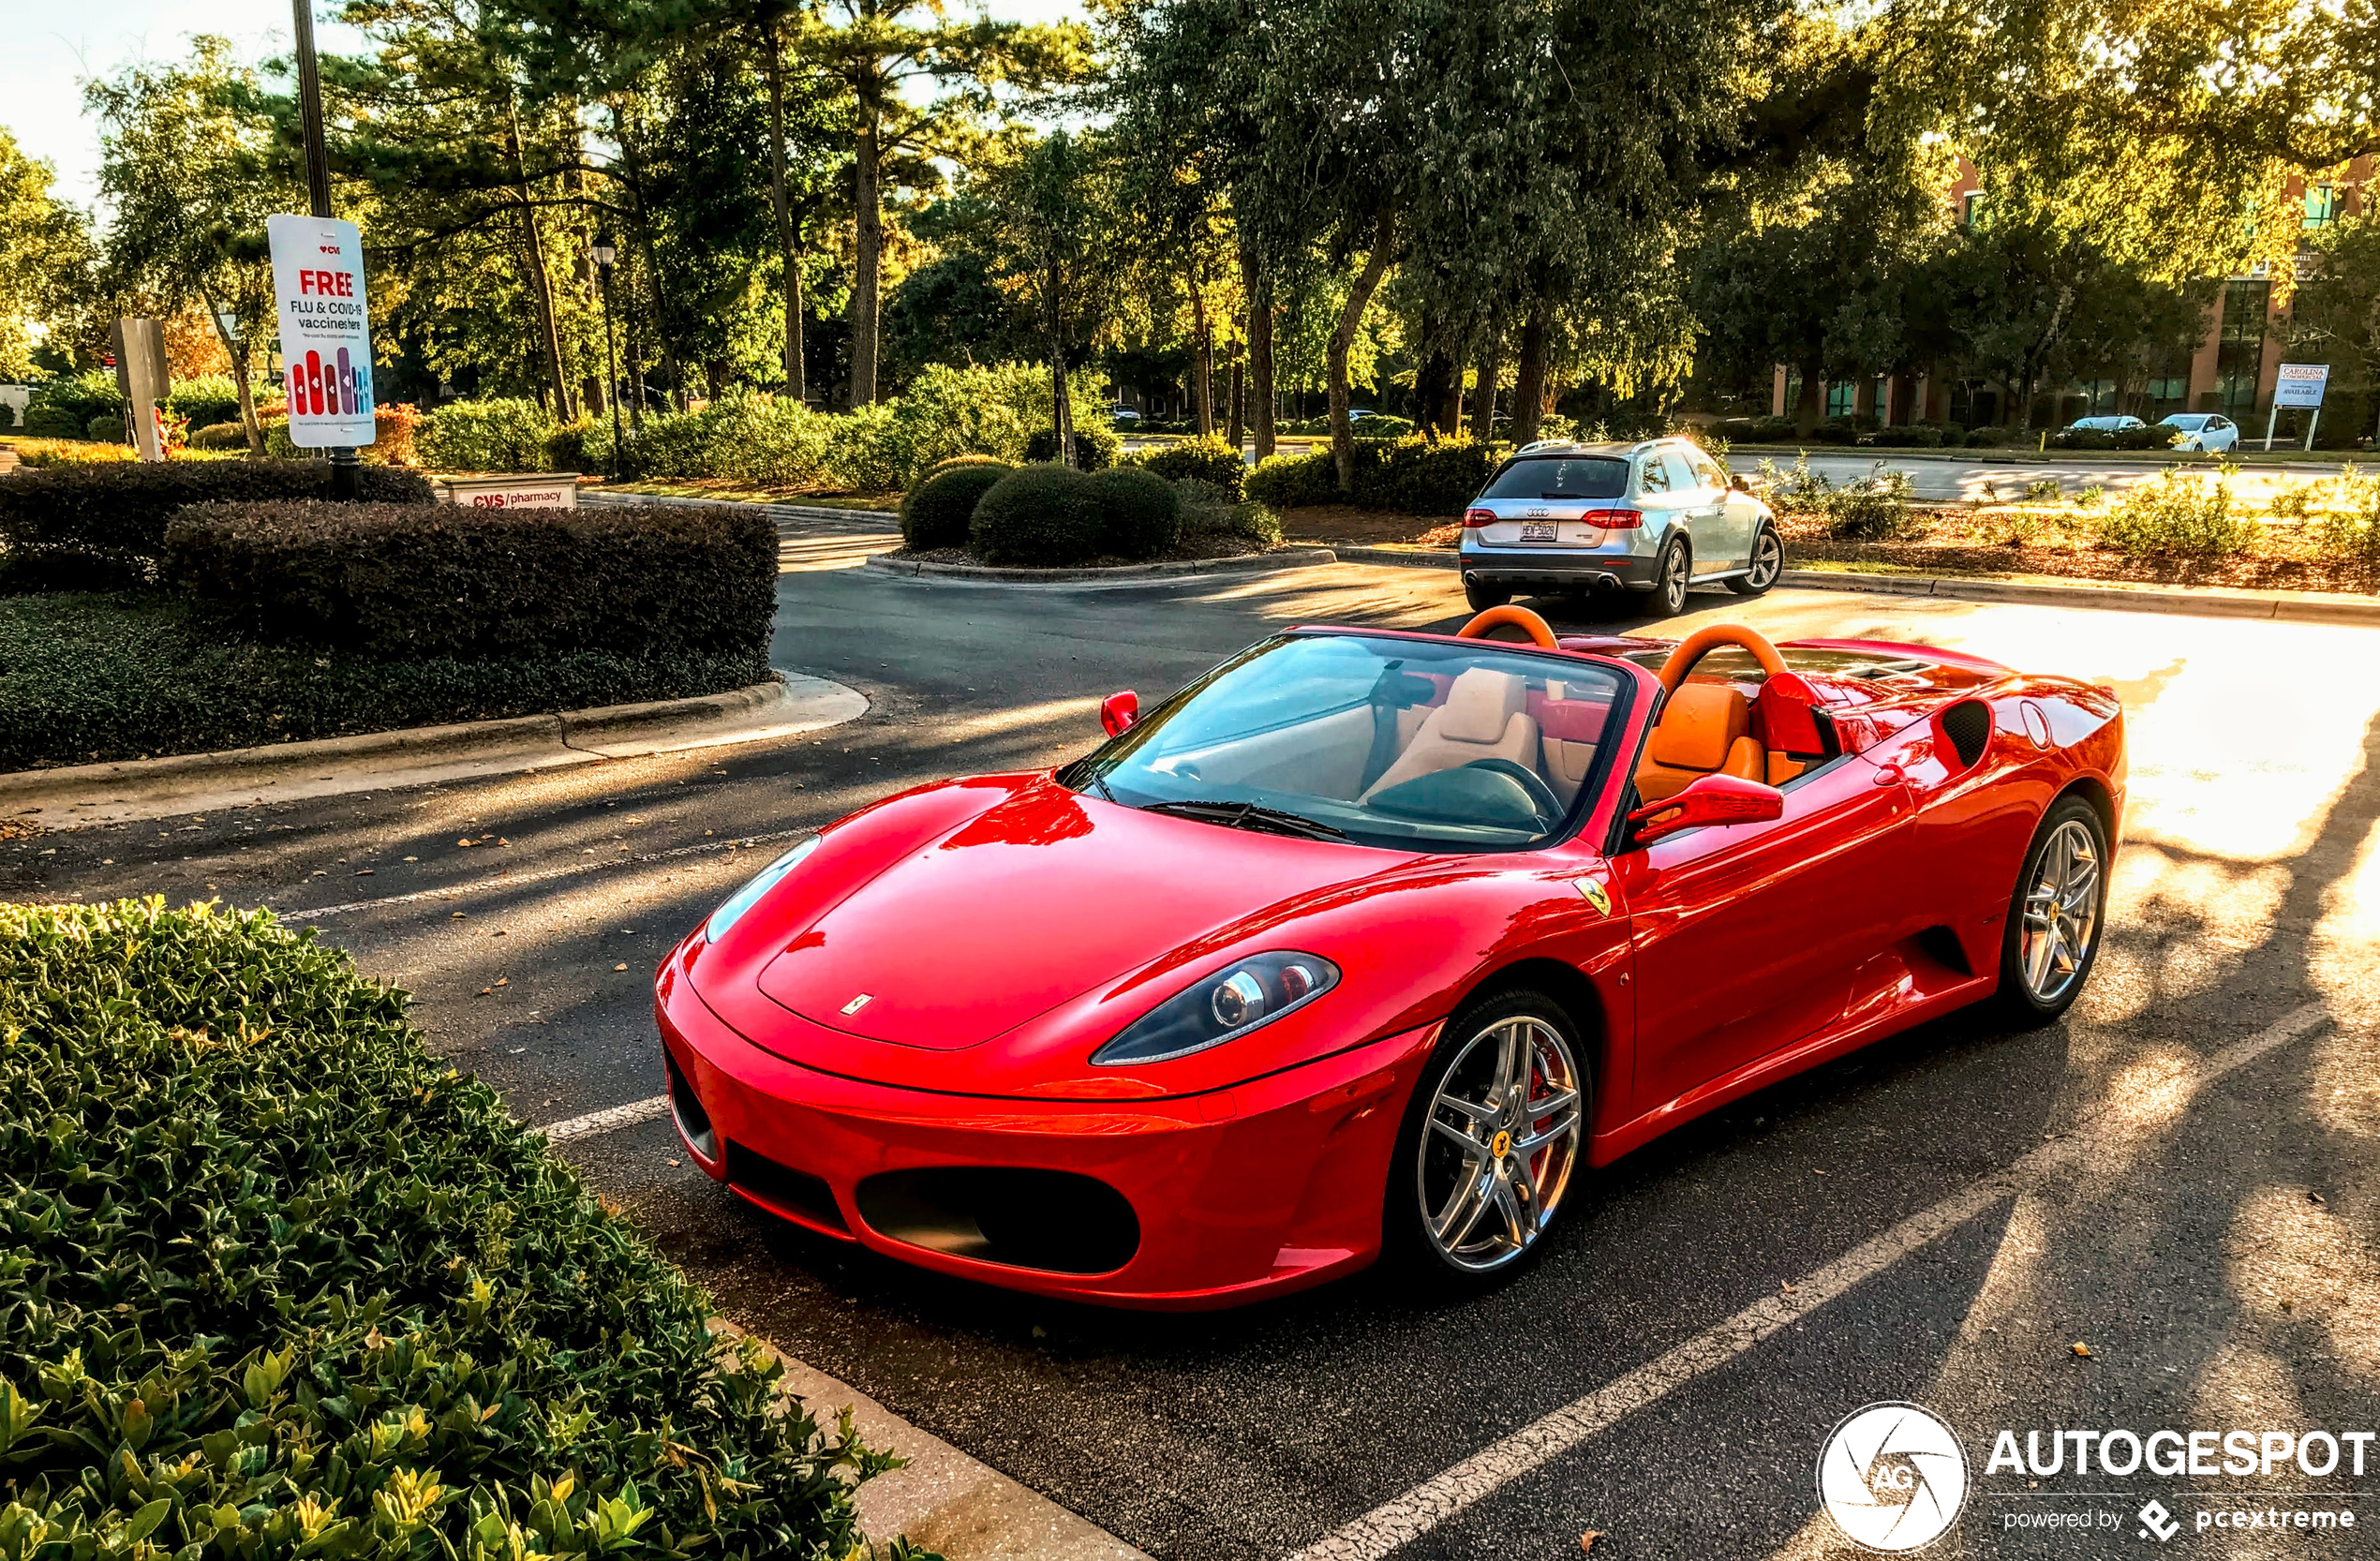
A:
[1038,515]
[2154,437]
[81,527]
[1291,481]
[936,512]
[499,434]
[1209,459]
[1411,476]
[87,676]
[279,1283]
[413,581]
[1140,512]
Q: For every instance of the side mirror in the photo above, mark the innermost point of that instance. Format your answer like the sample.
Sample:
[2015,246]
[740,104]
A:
[1715,799]
[1737,481]
[1118,711]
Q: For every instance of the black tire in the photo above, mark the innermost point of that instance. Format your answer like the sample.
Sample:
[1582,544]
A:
[1671,572]
[1481,596]
[1405,1234]
[2025,999]
[1768,562]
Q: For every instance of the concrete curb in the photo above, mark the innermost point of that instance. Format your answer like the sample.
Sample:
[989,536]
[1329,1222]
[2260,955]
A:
[1411,558]
[945,1501]
[868,520]
[789,703]
[2199,603]
[1288,557]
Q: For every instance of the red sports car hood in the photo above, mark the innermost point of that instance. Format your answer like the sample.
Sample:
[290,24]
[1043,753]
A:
[1048,894]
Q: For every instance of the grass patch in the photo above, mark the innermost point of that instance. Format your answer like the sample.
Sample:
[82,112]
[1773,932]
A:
[126,675]
[280,1283]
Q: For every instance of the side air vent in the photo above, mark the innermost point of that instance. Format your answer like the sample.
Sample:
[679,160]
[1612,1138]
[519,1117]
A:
[796,1194]
[693,1119]
[1968,725]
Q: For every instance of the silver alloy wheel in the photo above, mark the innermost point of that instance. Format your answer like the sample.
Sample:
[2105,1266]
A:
[1498,1144]
[1768,561]
[2062,913]
[1676,573]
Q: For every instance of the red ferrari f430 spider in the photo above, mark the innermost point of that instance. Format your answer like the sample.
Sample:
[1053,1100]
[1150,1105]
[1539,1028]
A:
[1366,943]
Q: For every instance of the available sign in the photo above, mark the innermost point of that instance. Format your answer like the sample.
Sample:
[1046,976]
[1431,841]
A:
[326,329]
[2300,384]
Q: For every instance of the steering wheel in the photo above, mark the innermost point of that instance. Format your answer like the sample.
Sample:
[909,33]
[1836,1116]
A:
[1541,798]
[1539,631]
[1702,642]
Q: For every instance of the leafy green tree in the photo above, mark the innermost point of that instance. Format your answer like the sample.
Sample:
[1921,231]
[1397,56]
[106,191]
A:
[45,255]
[884,55]
[2334,317]
[1061,230]
[188,166]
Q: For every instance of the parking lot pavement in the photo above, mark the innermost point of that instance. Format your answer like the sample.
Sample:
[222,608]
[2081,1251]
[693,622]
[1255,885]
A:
[1984,478]
[2179,1177]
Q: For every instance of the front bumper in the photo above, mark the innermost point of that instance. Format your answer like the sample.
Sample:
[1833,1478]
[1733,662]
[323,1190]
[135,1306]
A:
[1567,568]
[1269,1186]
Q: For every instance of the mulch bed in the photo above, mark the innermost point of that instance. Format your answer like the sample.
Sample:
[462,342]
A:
[2043,541]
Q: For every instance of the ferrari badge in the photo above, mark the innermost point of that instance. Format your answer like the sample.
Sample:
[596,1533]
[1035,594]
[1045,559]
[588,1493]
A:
[1596,897]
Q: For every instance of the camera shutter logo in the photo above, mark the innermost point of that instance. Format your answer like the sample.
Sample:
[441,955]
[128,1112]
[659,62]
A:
[1892,1477]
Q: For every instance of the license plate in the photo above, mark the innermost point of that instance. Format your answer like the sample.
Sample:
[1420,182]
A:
[1539,530]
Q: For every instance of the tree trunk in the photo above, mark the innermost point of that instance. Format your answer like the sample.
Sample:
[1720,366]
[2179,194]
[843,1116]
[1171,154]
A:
[1528,382]
[1489,368]
[1259,290]
[1367,281]
[1061,409]
[541,285]
[1236,427]
[1437,388]
[793,355]
[238,352]
[1202,368]
[1812,402]
[867,261]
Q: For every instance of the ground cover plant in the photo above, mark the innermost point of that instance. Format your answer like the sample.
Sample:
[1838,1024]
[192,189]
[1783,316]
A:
[281,1284]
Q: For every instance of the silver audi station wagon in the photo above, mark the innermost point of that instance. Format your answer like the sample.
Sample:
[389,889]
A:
[1656,517]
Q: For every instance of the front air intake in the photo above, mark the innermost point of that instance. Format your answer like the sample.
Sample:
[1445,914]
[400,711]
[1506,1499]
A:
[1054,1220]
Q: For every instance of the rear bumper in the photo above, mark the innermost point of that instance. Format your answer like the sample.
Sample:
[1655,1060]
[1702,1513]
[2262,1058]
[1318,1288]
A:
[1266,1187]
[1568,569]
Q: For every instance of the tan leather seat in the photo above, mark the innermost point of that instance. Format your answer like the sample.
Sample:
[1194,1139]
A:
[1485,716]
[1706,729]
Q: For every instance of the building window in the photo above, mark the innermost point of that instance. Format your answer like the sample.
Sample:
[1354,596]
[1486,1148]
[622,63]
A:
[1970,208]
[2321,205]
[1839,398]
[2166,393]
[2240,350]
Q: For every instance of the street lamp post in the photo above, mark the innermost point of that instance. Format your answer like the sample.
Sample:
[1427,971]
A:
[605,255]
[344,475]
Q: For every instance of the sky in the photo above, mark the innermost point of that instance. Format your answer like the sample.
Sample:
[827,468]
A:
[49,47]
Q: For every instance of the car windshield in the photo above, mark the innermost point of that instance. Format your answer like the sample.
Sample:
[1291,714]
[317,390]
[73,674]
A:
[2179,421]
[1407,744]
[1560,477]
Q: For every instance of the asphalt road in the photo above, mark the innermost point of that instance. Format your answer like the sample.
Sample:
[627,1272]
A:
[2207,1221]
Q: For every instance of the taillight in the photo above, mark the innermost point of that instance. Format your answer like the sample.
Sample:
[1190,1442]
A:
[1478,517]
[1617,520]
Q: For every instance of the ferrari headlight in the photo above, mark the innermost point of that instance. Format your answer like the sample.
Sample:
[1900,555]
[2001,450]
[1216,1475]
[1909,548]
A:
[1222,1008]
[732,909]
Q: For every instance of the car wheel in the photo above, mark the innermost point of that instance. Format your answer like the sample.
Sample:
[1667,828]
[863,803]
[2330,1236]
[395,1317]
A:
[1768,562]
[1494,1132]
[1481,596]
[1671,572]
[2056,916]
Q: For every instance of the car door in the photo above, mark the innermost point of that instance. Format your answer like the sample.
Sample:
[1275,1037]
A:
[1700,510]
[1732,514]
[1747,936]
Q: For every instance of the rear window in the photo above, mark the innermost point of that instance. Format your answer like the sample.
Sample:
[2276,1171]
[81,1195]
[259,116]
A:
[1560,477]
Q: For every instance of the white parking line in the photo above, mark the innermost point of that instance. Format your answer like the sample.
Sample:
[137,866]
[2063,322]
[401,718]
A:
[511,879]
[605,1121]
[1398,1522]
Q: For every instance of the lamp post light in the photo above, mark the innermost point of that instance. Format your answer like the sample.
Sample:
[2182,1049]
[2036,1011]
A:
[605,255]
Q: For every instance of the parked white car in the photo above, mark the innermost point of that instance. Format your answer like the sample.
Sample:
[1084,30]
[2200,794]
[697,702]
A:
[2105,425]
[2211,432]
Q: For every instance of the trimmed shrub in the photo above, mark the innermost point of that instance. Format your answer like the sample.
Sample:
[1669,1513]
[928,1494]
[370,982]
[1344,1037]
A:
[437,580]
[1042,516]
[955,462]
[501,434]
[1913,436]
[2154,437]
[209,399]
[1418,478]
[1379,425]
[1291,481]
[937,511]
[87,676]
[106,428]
[1207,509]
[1988,437]
[1096,447]
[281,1281]
[393,432]
[2351,527]
[64,408]
[1139,514]
[2177,514]
[221,436]
[1209,459]
[75,526]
